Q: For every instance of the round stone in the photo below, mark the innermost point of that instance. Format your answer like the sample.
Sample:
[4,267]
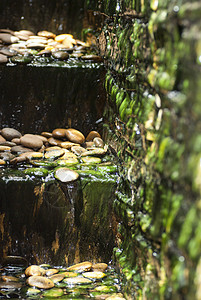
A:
[10,133]
[31,141]
[98,142]
[34,270]
[40,282]
[62,55]
[9,278]
[75,136]
[66,175]
[59,133]
[92,135]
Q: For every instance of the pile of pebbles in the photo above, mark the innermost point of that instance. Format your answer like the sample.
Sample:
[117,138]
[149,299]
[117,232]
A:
[22,46]
[82,281]
[64,147]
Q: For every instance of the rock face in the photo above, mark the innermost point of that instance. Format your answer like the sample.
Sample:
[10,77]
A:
[31,141]
[75,136]
[10,133]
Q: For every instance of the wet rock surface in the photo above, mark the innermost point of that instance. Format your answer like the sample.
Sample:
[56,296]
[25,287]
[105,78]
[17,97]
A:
[24,46]
[78,281]
[66,152]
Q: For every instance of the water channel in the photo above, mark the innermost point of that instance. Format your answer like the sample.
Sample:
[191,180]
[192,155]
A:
[44,221]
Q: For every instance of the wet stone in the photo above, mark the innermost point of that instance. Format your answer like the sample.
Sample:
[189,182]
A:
[10,133]
[98,142]
[31,141]
[40,282]
[34,270]
[62,55]
[75,136]
[80,267]
[7,38]
[59,133]
[3,59]
[66,175]
[92,134]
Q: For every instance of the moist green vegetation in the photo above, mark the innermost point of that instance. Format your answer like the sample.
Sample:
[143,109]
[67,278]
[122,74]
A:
[153,54]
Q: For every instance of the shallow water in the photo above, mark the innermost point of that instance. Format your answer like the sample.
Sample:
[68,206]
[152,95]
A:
[97,288]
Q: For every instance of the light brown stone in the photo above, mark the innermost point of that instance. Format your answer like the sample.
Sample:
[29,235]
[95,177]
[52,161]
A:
[75,136]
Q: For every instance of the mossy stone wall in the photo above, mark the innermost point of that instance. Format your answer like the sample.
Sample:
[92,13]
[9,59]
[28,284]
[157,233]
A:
[152,51]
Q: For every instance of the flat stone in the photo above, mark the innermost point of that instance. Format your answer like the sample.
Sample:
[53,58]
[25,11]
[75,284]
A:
[62,55]
[66,175]
[59,133]
[5,148]
[94,275]
[77,280]
[57,277]
[54,142]
[8,38]
[7,52]
[10,133]
[78,150]
[10,285]
[35,45]
[75,136]
[21,36]
[46,134]
[54,154]
[51,272]
[81,267]
[31,141]
[20,149]
[46,34]
[7,143]
[99,267]
[92,57]
[26,32]
[68,145]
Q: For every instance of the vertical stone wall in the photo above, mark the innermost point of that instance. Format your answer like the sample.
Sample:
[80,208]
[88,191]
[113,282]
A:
[152,51]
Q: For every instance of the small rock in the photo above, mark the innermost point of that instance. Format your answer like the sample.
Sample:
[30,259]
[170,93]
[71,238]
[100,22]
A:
[94,275]
[62,55]
[57,277]
[8,38]
[99,267]
[34,270]
[20,149]
[46,34]
[46,134]
[51,272]
[16,141]
[54,142]
[80,267]
[92,135]
[40,282]
[98,142]
[92,57]
[78,150]
[31,141]
[59,133]
[75,136]
[7,52]
[2,162]
[66,175]
[77,280]
[10,133]
[2,139]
